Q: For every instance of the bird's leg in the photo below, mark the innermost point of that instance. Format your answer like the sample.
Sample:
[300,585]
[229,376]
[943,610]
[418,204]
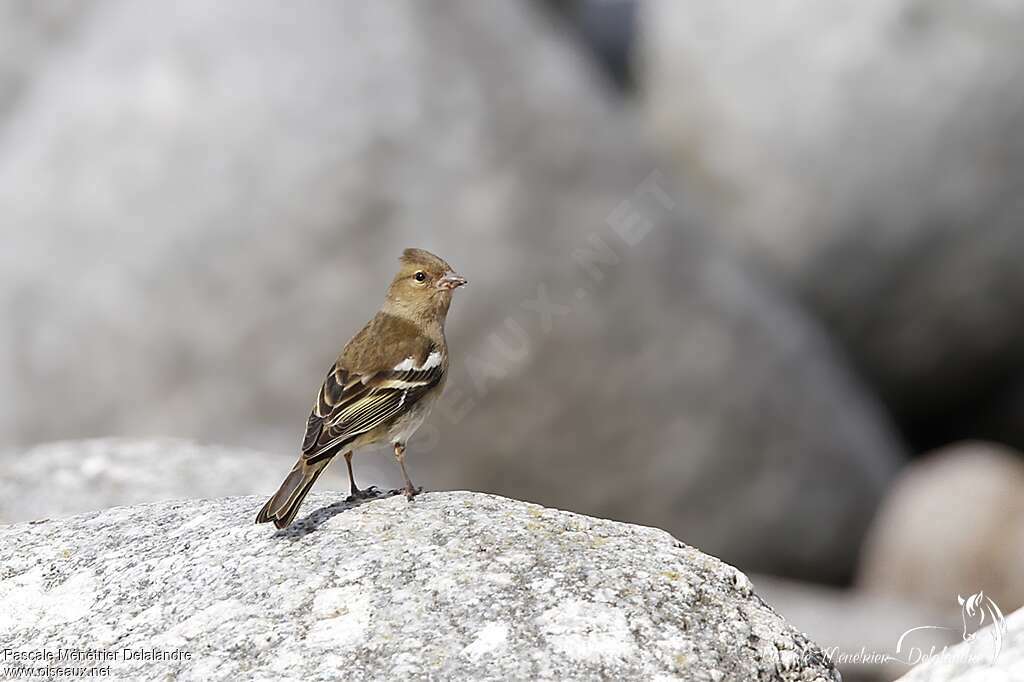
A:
[356,493]
[410,491]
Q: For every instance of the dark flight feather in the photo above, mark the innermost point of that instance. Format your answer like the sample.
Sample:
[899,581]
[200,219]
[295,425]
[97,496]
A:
[362,391]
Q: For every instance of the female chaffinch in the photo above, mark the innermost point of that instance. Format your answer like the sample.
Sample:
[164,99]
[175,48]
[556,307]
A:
[382,385]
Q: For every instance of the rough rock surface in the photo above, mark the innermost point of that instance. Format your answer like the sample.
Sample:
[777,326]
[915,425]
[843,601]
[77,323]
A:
[204,203]
[457,584]
[961,509]
[972,661]
[867,152]
[65,478]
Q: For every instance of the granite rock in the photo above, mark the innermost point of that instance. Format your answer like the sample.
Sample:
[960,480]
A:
[453,585]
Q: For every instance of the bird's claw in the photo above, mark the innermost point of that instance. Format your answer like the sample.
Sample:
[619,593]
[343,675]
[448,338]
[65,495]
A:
[365,494]
[409,492]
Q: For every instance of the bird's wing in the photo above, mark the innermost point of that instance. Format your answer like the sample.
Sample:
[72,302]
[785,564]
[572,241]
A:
[352,403]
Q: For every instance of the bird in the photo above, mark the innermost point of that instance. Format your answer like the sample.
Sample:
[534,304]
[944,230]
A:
[382,386]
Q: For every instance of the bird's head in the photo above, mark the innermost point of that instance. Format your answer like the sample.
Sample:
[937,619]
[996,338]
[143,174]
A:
[423,287]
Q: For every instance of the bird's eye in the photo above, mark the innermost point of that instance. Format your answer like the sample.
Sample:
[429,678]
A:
[420,276]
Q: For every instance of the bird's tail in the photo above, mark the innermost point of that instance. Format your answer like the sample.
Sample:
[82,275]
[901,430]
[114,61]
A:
[282,507]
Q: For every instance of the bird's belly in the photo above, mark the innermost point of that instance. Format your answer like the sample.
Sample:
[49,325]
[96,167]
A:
[404,425]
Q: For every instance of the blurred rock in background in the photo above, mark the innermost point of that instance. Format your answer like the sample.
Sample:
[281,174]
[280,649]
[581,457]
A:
[607,28]
[1000,415]
[953,524]
[31,33]
[66,478]
[203,202]
[847,621]
[976,659]
[870,155]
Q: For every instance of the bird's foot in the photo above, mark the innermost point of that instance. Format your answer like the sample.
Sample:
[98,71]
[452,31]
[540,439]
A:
[409,491]
[364,494]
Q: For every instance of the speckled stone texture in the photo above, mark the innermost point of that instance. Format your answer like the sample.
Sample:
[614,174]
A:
[451,586]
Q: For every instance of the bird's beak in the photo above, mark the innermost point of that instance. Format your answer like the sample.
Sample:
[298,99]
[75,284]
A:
[451,281]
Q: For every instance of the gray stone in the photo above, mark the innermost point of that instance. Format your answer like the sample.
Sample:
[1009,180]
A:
[66,478]
[972,661]
[451,586]
[203,203]
[607,30]
[866,152]
[952,524]
[31,33]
